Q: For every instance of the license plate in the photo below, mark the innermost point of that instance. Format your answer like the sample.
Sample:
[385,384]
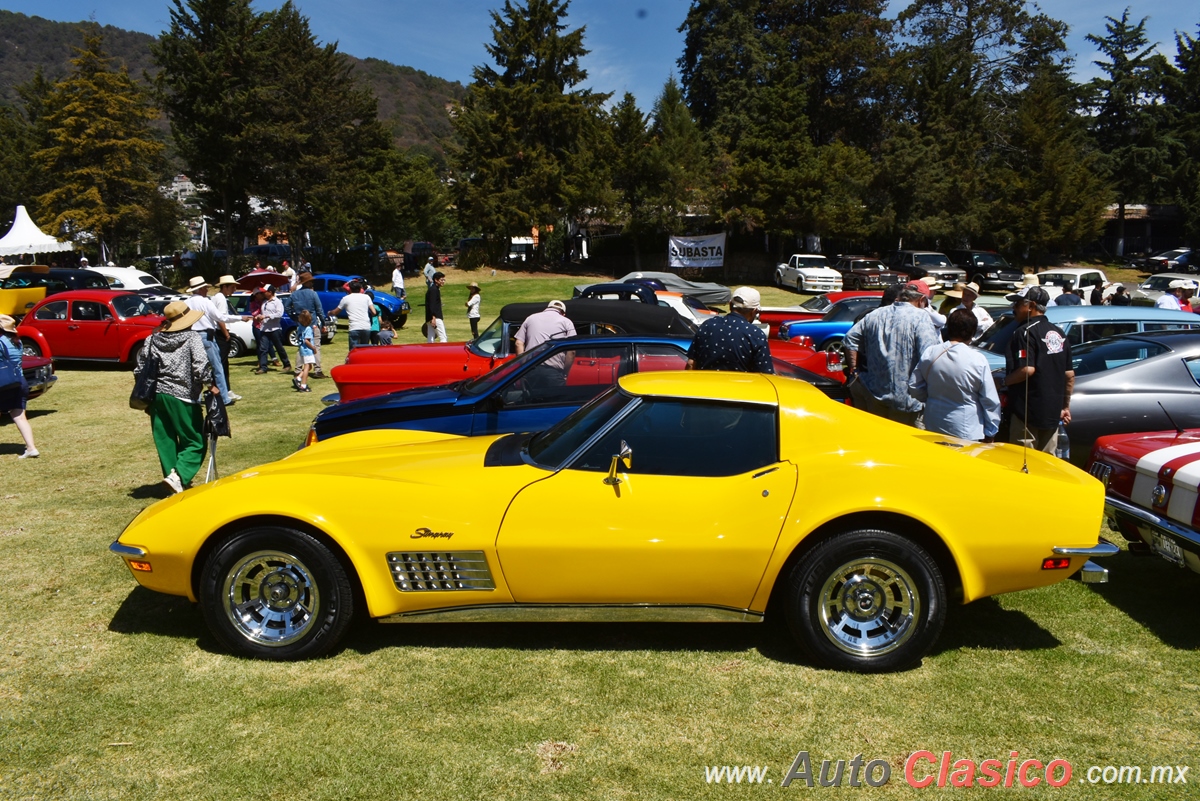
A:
[1167,548]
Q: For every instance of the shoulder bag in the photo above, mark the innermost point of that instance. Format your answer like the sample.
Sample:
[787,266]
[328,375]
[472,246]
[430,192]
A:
[145,382]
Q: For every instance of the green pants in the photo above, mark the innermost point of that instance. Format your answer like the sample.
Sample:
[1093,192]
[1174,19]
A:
[178,435]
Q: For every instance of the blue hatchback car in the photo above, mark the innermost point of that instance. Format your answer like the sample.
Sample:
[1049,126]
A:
[329,288]
[530,393]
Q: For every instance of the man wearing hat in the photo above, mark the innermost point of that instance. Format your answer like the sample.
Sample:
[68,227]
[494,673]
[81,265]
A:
[551,322]
[1170,299]
[210,326]
[1039,375]
[83,262]
[732,341]
[305,298]
[428,271]
[968,294]
[176,413]
[226,287]
[893,339]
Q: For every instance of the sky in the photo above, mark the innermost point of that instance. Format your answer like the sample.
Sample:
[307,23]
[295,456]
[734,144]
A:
[634,44]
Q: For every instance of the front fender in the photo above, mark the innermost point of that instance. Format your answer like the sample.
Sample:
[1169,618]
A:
[134,342]
[29,332]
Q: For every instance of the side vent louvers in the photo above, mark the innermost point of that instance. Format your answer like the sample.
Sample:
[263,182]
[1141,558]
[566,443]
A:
[441,571]
[1101,471]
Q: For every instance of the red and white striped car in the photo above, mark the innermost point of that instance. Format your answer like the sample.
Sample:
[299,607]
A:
[1152,482]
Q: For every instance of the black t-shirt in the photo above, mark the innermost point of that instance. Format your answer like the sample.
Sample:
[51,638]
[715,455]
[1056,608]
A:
[1039,344]
[433,302]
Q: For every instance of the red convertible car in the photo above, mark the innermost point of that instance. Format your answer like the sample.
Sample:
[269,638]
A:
[378,370]
[1151,484]
[91,324]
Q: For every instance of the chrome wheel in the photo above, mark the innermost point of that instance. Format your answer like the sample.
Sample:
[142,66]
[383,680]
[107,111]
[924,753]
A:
[833,346]
[276,593]
[293,337]
[867,600]
[869,607]
[271,598]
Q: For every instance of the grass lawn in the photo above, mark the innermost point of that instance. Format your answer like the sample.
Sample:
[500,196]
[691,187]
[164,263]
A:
[109,691]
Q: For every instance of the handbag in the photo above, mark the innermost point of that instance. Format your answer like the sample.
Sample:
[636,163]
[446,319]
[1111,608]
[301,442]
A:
[10,376]
[145,384]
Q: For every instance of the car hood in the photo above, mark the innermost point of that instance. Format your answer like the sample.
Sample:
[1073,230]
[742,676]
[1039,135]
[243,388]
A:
[1129,449]
[819,272]
[406,404]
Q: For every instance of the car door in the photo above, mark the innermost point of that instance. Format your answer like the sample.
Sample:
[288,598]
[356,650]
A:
[691,517]
[51,320]
[93,331]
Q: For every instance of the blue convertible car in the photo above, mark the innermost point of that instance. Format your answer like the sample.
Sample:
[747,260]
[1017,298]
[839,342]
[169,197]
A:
[330,289]
[529,393]
[828,332]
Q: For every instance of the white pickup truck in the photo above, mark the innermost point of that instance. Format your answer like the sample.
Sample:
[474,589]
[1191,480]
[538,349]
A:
[809,273]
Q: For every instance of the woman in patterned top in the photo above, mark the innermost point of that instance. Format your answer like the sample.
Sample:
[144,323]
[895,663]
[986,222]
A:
[176,415]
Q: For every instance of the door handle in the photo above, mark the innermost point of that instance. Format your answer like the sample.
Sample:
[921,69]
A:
[72,327]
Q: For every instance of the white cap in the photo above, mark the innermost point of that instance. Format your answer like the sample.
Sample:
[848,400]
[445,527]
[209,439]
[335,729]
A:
[1180,283]
[746,297]
[557,304]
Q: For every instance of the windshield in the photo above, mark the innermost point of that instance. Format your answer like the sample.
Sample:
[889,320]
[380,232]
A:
[1159,282]
[820,303]
[995,339]
[931,260]
[488,343]
[552,447]
[485,382]
[812,261]
[130,306]
[867,264]
[990,260]
[1109,354]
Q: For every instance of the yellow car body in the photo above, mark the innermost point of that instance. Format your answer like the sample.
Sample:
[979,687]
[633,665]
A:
[482,531]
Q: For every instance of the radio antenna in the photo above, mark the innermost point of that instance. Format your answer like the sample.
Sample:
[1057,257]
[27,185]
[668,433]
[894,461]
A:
[1171,420]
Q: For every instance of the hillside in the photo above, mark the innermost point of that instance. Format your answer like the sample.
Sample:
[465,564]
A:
[412,102]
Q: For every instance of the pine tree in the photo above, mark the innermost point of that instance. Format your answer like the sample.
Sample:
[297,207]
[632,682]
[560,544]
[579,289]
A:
[102,154]
[632,164]
[1181,89]
[678,163]
[211,86]
[1129,123]
[530,139]
[14,162]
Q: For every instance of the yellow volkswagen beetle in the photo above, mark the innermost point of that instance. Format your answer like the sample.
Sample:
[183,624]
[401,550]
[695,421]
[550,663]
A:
[675,496]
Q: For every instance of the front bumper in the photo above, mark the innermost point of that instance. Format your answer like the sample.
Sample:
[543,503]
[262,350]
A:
[41,386]
[1125,514]
[998,284]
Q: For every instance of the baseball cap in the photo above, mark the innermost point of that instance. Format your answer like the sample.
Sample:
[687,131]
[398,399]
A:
[745,297]
[1035,294]
[557,304]
[921,287]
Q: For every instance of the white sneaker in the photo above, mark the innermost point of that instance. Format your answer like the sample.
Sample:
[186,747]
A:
[28,454]
[233,397]
[172,481]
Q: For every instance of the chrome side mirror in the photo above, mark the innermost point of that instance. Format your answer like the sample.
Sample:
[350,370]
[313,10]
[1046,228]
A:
[624,455]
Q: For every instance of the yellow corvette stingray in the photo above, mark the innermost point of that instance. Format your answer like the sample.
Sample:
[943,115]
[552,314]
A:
[675,496]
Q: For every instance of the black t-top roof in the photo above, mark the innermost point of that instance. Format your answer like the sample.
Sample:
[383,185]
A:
[626,317]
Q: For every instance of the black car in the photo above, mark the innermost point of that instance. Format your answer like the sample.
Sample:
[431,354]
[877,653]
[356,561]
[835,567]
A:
[55,279]
[921,263]
[987,268]
[529,393]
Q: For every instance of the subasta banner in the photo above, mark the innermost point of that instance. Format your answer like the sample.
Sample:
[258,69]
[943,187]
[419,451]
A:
[696,251]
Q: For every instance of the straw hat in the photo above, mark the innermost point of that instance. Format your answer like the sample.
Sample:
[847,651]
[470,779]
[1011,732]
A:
[960,288]
[197,282]
[227,279]
[179,317]
[8,324]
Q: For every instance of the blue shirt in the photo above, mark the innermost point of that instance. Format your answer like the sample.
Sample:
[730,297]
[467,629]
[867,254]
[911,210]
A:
[731,342]
[306,333]
[303,299]
[893,337]
[955,382]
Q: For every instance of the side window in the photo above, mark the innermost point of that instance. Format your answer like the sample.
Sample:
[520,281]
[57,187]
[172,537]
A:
[114,283]
[1169,326]
[651,358]
[1093,331]
[570,377]
[52,311]
[1090,279]
[86,310]
[1193,366]
[690,438]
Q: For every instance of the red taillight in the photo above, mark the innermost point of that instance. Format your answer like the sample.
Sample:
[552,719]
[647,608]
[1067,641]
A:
[804,342]
[1056,563]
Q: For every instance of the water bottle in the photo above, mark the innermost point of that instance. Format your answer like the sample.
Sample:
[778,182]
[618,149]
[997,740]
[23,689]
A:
[1063,449]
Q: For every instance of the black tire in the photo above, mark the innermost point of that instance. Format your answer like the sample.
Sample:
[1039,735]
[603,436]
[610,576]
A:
[832,345]
[237,348]
[899,602]
[293,337]
[30,347]
[400,320]
[778,279]
[276,593]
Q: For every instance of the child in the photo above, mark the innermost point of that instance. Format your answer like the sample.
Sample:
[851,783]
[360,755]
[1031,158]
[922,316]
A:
[308,356]
[386,332]
[473,308]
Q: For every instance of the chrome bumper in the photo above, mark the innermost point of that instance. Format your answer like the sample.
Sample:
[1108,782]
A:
[126,550]
[1188,538]
[331,399]
[1091,573]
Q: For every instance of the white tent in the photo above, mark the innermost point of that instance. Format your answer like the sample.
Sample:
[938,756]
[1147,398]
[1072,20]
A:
[25,237]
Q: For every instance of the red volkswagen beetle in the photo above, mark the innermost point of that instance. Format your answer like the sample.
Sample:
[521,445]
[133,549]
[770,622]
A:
[91,324]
